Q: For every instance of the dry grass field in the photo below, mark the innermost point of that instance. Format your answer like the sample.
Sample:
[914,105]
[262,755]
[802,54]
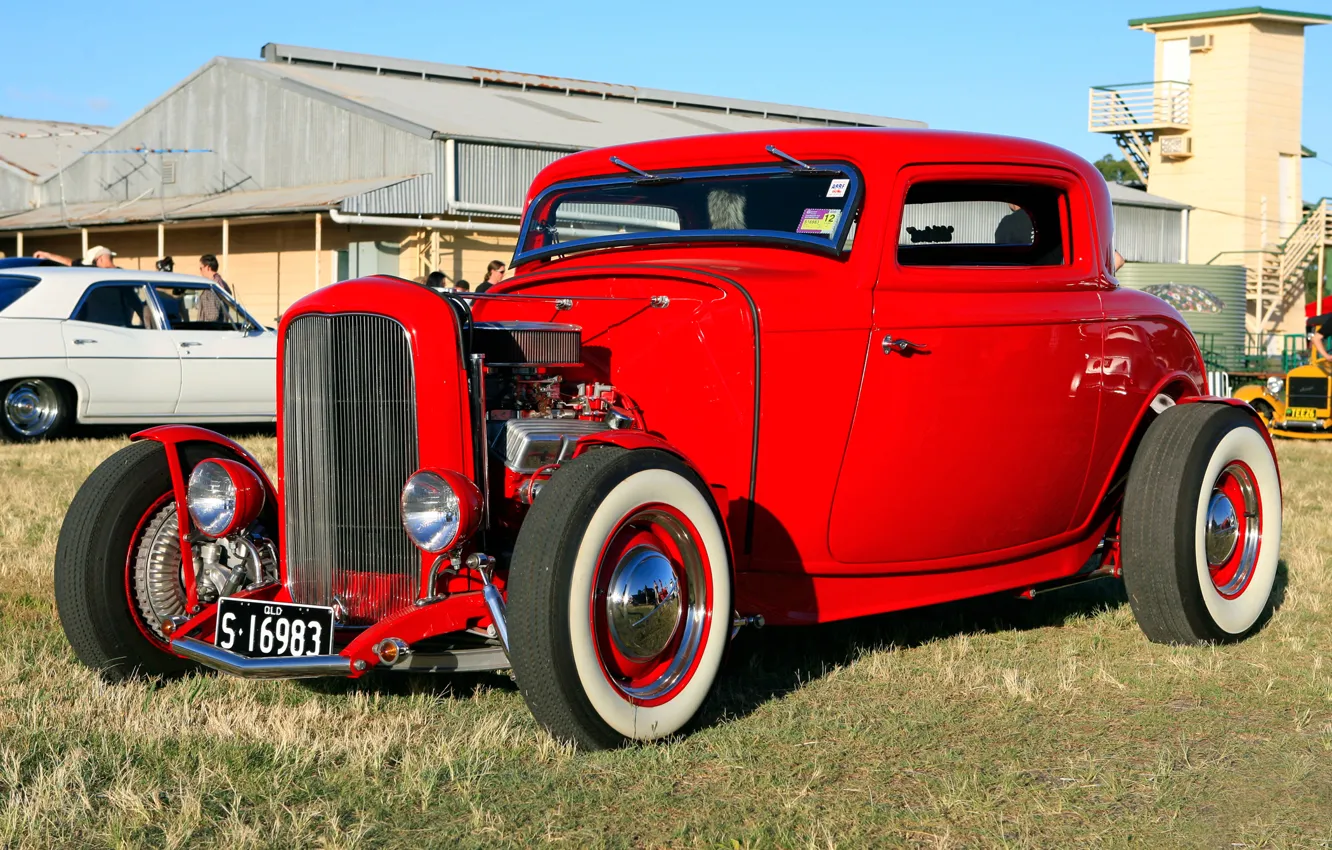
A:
[997,722]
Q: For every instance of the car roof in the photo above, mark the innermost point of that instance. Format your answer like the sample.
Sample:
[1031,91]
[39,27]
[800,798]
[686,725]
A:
[873,149]
[61,287]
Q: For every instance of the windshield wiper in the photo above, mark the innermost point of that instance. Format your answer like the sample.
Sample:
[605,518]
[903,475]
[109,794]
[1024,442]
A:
[644,178]
[804,169]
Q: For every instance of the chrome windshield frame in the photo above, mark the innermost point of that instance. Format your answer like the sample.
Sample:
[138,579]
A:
[833,247]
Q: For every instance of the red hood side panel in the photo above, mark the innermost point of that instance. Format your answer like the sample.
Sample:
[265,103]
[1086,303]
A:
[689,365]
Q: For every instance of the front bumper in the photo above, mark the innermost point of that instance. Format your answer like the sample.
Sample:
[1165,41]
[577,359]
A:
[454,614]
[485,658]
[1316,429]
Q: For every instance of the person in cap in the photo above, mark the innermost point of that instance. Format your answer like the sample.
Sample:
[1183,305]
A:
[98,256]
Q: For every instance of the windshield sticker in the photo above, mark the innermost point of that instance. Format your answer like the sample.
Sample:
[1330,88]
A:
[819,222]
[837,189]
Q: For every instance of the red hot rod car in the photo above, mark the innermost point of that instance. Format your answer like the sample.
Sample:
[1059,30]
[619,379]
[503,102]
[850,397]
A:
[798,376]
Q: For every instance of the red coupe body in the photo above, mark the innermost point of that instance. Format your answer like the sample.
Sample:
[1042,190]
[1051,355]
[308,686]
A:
[788,377]
[851,481]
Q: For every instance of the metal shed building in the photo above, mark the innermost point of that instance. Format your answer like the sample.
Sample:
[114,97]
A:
[245,159]
[1149,228]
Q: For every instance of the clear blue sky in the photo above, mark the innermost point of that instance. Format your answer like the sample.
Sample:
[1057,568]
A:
[1015,68]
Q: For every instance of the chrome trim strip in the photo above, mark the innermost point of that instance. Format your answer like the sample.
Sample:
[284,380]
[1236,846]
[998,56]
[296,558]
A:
[305,667]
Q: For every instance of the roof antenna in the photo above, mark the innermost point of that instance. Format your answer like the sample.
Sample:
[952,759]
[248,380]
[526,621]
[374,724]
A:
[772,149]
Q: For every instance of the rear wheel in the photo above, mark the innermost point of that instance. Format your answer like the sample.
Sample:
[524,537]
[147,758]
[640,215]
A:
[1201,526]
[32,409]
[619,599]
[118,570]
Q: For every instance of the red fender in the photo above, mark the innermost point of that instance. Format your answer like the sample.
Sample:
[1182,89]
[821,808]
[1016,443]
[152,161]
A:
[171,436]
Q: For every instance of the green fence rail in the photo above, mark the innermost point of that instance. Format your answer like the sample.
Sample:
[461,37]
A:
[1251,358]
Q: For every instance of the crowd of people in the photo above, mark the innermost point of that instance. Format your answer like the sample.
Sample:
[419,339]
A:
[438,280]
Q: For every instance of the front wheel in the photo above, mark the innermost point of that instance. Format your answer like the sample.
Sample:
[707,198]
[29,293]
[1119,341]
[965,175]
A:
[619,599]
[118,570]
[1201,526]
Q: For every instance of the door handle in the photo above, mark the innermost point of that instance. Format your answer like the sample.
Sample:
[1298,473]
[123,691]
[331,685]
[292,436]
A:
[84,341]
[190,344]
[902,346]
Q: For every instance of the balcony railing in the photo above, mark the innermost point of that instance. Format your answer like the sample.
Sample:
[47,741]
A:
[1158,105]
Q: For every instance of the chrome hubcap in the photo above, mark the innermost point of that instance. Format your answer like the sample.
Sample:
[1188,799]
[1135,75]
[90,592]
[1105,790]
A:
[652,604]
[1222,533]
[643,606]
[31,407]
[1233,533]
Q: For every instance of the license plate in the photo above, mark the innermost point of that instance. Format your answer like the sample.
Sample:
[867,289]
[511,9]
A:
[259,629]
[1302,414]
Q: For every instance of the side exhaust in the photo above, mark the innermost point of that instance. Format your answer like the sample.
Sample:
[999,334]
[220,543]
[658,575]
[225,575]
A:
[307,667]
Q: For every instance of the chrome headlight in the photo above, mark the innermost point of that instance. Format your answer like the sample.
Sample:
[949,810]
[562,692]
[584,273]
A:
[439,509]
[1275,385]
[223,496]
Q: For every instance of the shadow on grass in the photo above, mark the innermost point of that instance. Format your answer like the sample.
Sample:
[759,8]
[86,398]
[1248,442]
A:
[768,663]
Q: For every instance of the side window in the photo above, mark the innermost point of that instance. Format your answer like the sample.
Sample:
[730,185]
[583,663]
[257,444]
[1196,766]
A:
[14,287]
[984,224]
[198,308]
[119,305]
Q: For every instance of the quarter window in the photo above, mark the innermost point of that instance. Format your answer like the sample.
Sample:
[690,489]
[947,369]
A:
[12,288]
[118,305]
[984,224]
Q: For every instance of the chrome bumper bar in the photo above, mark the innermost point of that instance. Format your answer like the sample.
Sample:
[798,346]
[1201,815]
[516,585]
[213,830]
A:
[305,667]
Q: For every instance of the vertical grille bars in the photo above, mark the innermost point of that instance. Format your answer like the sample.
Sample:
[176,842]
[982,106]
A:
[349,444]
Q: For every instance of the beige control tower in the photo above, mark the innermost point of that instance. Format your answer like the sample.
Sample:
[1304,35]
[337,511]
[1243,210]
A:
[1218,127]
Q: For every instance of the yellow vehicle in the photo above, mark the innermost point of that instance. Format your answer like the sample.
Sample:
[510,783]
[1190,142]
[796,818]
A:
[1297,406]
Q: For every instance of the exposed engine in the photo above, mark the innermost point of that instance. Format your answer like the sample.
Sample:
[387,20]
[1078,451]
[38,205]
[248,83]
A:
[533,416]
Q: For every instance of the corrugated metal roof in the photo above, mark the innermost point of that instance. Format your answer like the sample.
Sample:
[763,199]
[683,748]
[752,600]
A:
[302,198]
[1121,194]
[37,148]
[461,102]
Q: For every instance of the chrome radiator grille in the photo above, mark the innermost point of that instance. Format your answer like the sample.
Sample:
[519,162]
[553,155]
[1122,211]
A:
[349,444]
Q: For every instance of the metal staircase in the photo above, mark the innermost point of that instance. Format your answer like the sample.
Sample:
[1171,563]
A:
[1137,114]
[1276,280]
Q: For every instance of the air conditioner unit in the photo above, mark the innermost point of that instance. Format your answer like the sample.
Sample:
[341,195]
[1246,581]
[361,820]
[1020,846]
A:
[1200,43]
[1176,146]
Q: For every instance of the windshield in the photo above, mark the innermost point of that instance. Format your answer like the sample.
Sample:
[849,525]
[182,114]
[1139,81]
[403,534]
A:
[811,207]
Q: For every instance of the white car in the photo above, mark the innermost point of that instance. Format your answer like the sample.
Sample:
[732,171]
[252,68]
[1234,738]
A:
[114,346]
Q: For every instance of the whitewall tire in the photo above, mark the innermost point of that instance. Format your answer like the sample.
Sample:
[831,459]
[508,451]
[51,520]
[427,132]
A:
[1201,526]
[619,599]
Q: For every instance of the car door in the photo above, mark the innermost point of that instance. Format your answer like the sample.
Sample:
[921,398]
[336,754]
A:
[114,342]
[981,390]
[227,360]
